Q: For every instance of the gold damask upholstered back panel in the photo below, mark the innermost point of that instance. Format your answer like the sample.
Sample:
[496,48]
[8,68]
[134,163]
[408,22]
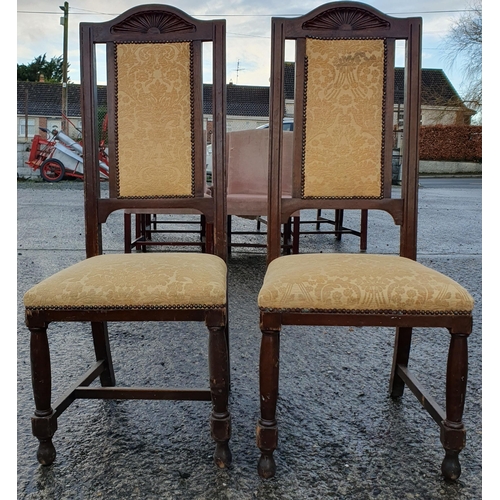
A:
[344,97]
[154,120]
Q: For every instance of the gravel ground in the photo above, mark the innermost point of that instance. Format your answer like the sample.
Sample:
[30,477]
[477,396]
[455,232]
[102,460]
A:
[341,435]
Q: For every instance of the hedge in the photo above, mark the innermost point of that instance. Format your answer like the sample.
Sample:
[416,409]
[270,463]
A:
[451,143]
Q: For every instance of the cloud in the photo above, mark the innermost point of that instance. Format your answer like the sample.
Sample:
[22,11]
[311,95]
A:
[248,28]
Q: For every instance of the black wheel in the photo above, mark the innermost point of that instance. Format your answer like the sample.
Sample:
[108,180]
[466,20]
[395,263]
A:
[52,170]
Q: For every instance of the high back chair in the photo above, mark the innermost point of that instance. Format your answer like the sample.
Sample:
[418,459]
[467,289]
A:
[345,54]
[154,85]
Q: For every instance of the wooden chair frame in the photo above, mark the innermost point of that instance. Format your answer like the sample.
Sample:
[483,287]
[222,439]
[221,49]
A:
[155,24]
[147,224]
[357,20]
[338,228]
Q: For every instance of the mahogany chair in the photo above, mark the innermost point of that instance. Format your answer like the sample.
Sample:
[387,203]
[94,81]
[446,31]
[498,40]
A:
[154,85]
[345,54]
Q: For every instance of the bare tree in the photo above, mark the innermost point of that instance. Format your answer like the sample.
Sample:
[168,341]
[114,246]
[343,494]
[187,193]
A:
[464,43]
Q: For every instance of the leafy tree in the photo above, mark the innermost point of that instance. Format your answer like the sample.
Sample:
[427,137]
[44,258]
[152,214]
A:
[465,40]
[52,69]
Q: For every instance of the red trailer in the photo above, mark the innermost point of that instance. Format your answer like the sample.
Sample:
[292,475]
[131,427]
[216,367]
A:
[61,156]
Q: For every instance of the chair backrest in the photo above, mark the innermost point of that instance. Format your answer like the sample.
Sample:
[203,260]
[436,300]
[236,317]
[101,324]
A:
[248,160]
[343,115]
[156,140]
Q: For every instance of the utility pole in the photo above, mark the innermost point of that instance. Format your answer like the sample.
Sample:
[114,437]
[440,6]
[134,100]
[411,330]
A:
[64,93]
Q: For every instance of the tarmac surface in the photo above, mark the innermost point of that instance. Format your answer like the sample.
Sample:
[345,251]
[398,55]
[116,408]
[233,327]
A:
[341,435]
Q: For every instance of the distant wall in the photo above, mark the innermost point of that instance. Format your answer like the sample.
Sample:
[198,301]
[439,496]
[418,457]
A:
[450,168]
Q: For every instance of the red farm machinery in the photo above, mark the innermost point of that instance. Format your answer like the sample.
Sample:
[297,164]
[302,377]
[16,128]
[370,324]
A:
[58,156]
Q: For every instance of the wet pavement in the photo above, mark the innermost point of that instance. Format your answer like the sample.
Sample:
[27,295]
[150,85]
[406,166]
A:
[341,435]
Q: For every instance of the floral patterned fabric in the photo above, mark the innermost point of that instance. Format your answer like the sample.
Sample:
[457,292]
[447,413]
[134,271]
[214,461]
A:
[344,121]
[154,119]
[128,281]
[359,282]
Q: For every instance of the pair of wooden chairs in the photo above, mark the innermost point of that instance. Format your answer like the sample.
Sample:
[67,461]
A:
[344,62]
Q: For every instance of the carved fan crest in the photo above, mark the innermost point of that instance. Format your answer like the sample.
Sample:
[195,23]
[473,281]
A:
[153,22]
[345,19]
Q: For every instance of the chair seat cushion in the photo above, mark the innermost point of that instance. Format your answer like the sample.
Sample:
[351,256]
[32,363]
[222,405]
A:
[359,283]
[135,281]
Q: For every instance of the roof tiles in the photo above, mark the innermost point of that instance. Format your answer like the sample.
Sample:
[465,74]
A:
[44,99]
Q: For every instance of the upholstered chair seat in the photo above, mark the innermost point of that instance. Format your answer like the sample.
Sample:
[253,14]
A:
[134,281]
[356,283]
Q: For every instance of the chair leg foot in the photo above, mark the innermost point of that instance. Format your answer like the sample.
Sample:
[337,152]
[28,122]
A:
[266,466]
[222,455]
[221,433]
[267,442]
[453,434]
[450,467]
[46,453]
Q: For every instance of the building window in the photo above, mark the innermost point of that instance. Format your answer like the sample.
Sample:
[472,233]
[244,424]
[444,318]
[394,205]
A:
[22,127]
[401,119]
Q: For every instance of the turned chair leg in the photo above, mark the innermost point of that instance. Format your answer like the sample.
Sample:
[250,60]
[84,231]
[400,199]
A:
[44,422]
[452,428]
[267,429]
[220,420]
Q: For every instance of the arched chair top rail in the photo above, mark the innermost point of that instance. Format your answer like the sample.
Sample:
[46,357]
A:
[151,23]
[347,19]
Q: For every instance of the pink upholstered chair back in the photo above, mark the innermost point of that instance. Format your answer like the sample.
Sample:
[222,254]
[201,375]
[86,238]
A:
[247,162]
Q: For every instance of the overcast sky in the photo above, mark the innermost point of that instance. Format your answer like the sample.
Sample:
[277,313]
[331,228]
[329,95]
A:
[248,29]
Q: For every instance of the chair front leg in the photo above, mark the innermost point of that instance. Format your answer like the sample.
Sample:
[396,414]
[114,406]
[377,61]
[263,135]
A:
[44,423]
[220,420]
[452,428]
[267,429]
